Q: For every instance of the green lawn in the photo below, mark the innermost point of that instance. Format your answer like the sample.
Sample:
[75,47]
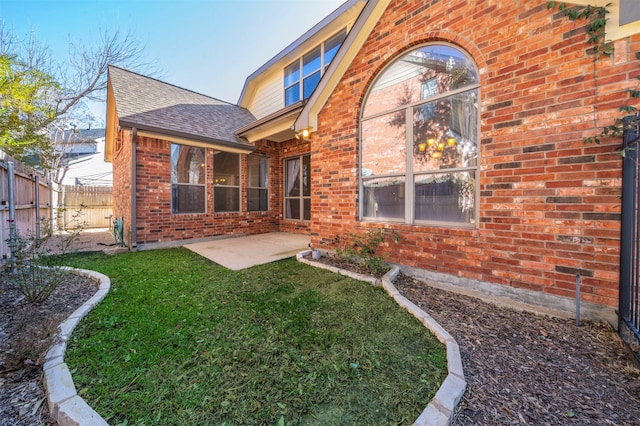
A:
[181,340]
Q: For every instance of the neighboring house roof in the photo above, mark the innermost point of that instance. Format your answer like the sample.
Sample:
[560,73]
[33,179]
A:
[373,10]
[160,108]
[75,142]
[90,169]
[76,135]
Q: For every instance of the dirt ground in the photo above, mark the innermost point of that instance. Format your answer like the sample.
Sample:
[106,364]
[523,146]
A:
[87,240]
[521,368]
[28,330]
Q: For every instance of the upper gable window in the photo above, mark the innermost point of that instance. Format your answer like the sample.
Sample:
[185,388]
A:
[302,76]
[629,11]
[419,140]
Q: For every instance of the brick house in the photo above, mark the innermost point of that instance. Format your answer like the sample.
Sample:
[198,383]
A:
[458,124]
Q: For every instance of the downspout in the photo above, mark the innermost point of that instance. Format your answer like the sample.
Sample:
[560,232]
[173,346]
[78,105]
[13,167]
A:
[134,140]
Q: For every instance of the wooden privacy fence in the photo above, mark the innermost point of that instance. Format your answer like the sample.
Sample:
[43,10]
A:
[88,206]
[25,199]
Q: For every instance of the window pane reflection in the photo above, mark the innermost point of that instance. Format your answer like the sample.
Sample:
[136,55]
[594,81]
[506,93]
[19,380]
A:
[384,198]
[445,133]
[384,145]
[445,197]
[420,140]
[425,72]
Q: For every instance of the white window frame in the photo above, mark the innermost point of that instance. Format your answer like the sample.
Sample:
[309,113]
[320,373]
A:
[301,197]
[174,208]
[409,175]
[266,183]
[217,184]
[300,67]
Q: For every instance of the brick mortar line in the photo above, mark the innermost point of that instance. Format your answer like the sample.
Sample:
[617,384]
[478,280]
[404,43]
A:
[440,410]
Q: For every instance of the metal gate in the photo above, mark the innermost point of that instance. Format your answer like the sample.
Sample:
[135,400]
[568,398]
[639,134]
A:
[629,309]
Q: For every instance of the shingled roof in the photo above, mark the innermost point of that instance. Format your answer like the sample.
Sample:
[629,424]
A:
[151,105]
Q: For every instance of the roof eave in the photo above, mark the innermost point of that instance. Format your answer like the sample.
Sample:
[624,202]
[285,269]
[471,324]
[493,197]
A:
[291,112]
[110,122]
[191,139]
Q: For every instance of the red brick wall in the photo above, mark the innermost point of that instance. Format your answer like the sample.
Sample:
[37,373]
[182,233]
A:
[122,180]
[156,223]
[549,204]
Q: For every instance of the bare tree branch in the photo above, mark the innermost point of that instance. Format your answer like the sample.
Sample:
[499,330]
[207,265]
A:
[80,77]
[86,77]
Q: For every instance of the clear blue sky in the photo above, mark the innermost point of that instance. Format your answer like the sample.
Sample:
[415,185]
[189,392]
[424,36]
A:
[209,46]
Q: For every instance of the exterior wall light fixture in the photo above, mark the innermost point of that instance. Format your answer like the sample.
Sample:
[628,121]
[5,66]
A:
[303,134]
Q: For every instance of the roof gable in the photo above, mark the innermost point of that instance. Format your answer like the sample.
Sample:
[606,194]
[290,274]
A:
[340,18]
[373,10]
[151,105]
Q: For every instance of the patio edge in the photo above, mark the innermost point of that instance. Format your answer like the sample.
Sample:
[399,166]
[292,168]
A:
[65,406]
[440,410]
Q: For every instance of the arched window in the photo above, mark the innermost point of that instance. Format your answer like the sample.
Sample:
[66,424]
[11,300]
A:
[419,140]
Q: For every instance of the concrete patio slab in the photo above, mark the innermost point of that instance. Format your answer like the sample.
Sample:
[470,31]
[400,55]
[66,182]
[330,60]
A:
[245,252]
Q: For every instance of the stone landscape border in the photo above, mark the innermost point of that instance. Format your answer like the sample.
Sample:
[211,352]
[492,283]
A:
[67,408]
[440,410]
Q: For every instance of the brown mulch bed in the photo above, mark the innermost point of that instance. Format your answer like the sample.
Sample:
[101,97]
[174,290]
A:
[26,332]
[527,369]
[523,368]
[336,261]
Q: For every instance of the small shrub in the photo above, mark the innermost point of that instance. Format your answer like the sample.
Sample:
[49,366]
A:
[70,232]
[364,250]
[30,266]
[30,338]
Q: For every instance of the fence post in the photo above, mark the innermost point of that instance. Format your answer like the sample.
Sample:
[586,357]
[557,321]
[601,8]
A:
[578,284]
[36,180]
[11,189]
[11,196]
[61,208]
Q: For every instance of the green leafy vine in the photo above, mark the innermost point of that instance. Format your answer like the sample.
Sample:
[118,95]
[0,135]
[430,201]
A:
[596,25]
[596,17]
